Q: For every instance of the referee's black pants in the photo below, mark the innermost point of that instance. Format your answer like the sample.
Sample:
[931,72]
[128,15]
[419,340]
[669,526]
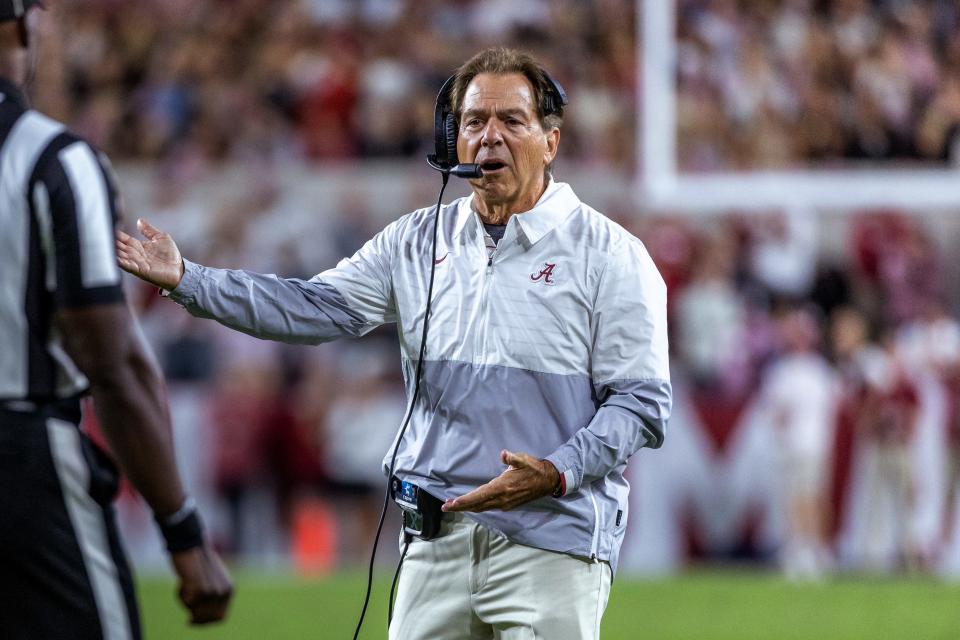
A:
[63,573]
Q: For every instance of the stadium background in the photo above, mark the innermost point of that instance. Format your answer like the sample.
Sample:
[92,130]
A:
[770,153]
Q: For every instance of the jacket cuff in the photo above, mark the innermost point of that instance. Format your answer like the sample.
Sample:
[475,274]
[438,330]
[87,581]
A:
[186,291]
[567,461]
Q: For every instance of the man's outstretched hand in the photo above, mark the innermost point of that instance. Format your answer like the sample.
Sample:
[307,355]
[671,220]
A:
[155,259]
[525,479]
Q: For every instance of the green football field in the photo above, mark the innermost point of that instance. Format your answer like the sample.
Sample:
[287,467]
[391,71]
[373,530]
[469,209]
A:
[701,606]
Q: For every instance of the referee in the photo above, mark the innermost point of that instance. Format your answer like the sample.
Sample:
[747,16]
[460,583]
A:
[65,331]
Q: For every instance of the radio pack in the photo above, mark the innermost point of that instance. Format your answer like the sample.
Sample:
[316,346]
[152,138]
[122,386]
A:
[421,511]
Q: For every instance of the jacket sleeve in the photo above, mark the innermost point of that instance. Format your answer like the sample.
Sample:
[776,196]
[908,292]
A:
[630,371]
[351,299]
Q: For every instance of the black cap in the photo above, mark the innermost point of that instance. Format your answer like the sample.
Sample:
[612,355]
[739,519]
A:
[13,9]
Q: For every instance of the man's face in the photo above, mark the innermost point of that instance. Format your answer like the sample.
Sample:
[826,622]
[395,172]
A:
[500,131]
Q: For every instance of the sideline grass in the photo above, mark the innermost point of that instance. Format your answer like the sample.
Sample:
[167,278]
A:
[703,605]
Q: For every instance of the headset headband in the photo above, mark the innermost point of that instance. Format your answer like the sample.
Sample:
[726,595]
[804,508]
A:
[445,125]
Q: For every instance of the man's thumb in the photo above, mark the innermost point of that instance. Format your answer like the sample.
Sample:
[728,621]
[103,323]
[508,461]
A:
[512,459]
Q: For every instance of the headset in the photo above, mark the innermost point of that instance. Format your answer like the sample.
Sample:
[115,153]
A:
[445,126]
[445,160]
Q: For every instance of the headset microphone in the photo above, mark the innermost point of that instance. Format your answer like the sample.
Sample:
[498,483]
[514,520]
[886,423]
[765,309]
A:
[468,170]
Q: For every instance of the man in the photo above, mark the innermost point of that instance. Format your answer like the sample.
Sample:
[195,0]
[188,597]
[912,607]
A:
[66,332]
[800,404]
[545,369]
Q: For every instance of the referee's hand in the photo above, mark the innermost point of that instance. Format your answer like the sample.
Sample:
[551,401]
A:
[204,585]
[155,259]
[526,478]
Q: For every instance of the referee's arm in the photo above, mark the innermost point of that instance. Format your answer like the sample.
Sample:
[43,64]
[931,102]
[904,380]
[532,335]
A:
[129,398]
[74,192]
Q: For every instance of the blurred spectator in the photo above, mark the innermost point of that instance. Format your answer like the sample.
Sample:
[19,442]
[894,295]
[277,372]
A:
[799,402]
[929,347]
[900,263]
[783,254]
[710,314]
[887,426]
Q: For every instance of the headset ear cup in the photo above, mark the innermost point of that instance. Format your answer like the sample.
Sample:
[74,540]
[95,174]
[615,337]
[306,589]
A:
[450,131]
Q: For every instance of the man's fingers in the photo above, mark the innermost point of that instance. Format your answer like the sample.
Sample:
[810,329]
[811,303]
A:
[149,231]
[470,501]
[463,503]
[127,260]
[126,240]
[474,507]
[211,608]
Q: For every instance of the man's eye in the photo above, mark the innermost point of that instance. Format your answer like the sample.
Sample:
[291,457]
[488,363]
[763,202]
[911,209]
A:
[473,122]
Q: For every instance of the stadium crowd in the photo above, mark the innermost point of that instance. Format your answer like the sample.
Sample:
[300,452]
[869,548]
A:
[761,84]
[191,87]
[329,81]
[775,84]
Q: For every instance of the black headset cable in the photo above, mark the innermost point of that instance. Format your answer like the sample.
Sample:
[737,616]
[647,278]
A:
[393,585]
[406,422]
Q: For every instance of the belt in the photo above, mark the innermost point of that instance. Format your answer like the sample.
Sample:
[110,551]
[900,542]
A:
[19,406]
[67,409]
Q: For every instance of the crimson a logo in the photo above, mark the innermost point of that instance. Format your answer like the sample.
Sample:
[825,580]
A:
[545,275]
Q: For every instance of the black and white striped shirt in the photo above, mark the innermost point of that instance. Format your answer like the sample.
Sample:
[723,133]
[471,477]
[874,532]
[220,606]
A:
[58,209]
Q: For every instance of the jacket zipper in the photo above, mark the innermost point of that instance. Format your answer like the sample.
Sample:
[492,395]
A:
[479,355]
[595,542]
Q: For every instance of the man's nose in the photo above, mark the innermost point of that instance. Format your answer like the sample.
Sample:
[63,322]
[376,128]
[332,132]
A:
[491,134]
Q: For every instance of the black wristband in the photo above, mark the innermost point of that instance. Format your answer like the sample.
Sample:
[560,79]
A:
[183,530]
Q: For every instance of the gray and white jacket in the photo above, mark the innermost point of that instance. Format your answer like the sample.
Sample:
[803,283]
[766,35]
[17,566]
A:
[555,345]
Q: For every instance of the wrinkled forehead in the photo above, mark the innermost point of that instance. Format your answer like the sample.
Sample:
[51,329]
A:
[488,91]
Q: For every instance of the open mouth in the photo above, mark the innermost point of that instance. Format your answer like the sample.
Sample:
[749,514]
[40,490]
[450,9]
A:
[492,166]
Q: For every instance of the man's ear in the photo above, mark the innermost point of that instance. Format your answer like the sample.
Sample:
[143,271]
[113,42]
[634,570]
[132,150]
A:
[553,142]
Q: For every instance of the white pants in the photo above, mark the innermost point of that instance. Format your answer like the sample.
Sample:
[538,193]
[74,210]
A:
[471,583]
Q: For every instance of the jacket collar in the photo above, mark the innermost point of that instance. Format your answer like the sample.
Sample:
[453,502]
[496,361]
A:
[557,202]
[13,93]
